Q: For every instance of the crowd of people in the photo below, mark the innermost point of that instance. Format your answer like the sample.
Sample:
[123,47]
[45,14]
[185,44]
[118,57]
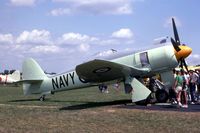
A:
[186,87]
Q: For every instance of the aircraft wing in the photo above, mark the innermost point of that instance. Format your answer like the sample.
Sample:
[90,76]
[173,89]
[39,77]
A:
[103,70]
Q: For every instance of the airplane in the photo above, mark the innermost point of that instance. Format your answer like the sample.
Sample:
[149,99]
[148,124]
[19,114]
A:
[10,78]
[129,69]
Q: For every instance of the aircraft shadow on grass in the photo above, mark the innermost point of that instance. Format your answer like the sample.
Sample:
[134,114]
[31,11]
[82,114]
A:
[165,108]
[79,104]
[123,104]
[94,105]
[25,100]
[46,100]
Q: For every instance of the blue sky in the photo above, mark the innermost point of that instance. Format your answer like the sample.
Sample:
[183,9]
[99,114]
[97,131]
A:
[60,34]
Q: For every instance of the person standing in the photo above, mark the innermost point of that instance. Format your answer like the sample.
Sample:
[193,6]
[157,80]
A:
[198,86]
[172,92]
[192,84]
[178,87]
[184,98]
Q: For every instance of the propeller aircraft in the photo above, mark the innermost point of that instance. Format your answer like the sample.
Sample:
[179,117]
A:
[130,69]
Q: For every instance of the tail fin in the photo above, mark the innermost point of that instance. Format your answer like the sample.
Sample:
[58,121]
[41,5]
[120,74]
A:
[32,76]
[32,71]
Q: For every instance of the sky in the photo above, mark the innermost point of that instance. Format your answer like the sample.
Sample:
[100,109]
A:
[60,34]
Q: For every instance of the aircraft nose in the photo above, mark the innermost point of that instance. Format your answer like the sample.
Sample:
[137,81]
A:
[183,53]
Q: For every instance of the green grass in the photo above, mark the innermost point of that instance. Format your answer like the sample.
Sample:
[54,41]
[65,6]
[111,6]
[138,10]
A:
[86,110]
[14,95]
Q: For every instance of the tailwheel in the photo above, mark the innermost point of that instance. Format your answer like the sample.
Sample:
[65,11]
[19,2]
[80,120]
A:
[42,98]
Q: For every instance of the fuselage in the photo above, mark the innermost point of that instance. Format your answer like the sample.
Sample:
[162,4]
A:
[158,59]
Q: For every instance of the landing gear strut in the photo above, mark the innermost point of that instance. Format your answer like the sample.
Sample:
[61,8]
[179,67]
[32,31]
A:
[42,98]
[159,92]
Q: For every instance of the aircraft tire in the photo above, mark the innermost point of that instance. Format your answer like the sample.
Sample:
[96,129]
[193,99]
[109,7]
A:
[152,98]
[162,96]
[42,98]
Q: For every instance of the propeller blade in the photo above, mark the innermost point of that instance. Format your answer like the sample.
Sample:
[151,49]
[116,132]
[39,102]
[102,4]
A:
[175,32]
[181,63]
[185,65]
[176,46]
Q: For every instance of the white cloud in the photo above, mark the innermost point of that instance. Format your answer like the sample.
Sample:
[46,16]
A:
[45,49]
[193,59]
[196,56]
[35,37]
[123,33]
[60,11]
[76,38]
[84,47]
[106,53]
[113,7]
[6,38]
[168,22]
[40,41]
[23,2]
[109,42]
[40,45]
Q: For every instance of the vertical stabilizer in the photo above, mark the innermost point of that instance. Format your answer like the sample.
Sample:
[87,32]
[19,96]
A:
[32,76]
[32,71]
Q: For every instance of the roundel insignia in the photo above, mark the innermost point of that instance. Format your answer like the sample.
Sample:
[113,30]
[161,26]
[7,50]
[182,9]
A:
[82,80]
[102,70]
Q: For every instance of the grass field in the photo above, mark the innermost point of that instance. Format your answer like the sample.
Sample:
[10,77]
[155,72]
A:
[86,111]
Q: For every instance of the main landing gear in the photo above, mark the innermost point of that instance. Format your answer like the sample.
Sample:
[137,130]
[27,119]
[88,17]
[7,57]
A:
[159,92]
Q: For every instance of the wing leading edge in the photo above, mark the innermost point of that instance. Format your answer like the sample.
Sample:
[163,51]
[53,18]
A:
[102,71]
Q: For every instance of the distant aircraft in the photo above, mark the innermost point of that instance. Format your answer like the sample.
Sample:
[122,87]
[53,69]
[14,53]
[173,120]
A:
[10,78]
[130,69]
